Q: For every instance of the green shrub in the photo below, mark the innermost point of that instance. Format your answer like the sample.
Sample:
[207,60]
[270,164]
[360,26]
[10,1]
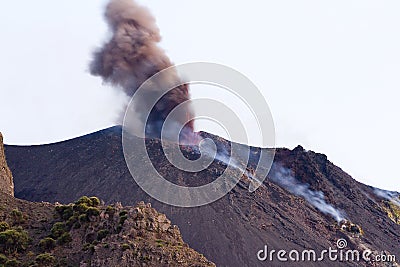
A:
[81,207]
[3,259]
[93,211]
[71,221]
[47,243]
[59,208]
[67,212]
[77,225]
[45,259]
[83,218]
[13,263]
[17,216]
[16,213]
[88,201]
[102,234]
[64,238]
[84,200]
[4,226]
[95,201]
[58,229]
[12,240]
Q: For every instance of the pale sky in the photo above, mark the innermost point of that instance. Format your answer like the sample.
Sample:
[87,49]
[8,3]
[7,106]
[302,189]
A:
[330,71]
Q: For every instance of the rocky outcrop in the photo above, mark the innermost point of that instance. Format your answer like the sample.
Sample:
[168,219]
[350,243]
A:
[6,179]
[88,234]
[146,238]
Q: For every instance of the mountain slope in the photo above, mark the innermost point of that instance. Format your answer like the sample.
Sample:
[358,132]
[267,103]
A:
[233,229]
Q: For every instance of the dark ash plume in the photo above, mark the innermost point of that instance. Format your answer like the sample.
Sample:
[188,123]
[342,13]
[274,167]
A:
[132,55]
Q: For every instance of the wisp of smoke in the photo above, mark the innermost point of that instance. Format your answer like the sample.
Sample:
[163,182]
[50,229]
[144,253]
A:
[132,55]
[225,157]
[392,196]
[283,177]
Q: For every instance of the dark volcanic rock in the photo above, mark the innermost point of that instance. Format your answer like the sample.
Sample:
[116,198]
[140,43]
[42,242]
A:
[231,230]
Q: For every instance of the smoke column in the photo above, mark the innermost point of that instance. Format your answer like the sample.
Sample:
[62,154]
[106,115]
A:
[132,55]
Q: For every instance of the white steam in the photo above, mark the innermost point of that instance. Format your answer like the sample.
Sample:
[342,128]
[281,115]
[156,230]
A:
[222,155]
[285,179]
[392,196]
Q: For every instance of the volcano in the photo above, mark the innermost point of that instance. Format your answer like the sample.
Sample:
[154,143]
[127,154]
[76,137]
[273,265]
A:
[231,230]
